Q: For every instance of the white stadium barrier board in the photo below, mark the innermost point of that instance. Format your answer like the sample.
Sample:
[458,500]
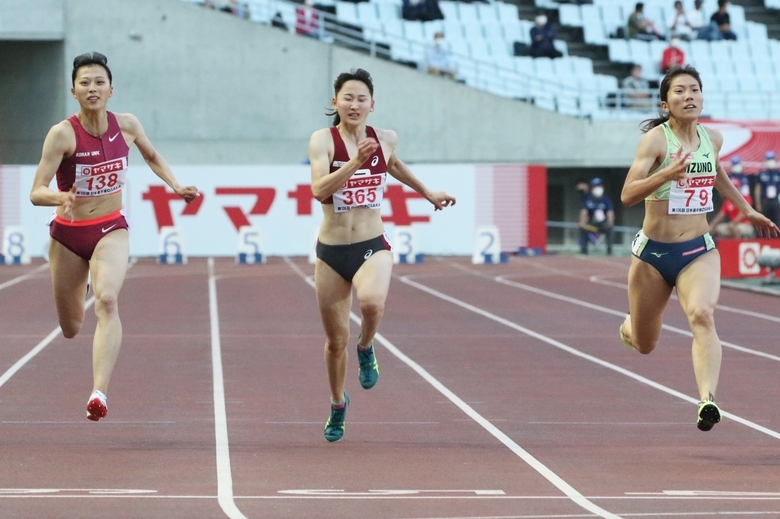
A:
[276,201]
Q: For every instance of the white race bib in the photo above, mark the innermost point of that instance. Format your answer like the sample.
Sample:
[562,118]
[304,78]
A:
[101,179]
[361,189]
[693,196]
[771,191]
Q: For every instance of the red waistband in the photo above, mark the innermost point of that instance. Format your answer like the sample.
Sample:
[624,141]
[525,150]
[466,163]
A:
[91,221]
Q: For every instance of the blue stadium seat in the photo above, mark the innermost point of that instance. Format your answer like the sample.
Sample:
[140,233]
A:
[367,14]
[467,12]
[388,11]
[544,67]
[347,12]
[487,12]
[569,15]
[472,29]
[619,51]
[449,9]
[480,51]
[507,12]
[414,31]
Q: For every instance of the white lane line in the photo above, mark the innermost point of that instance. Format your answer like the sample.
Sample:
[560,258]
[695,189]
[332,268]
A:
[21,278]
[598,280]
[574,495]
[579,302]
[224,475]
[578,353]
[46,341]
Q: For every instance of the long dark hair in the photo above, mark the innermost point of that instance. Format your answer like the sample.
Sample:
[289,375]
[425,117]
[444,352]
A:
[649,124]
[353,75]
[90,58]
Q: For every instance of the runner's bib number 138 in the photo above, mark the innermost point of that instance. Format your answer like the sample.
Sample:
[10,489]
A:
[101,179]
[692,196]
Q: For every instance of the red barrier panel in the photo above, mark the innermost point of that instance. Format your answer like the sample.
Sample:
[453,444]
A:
[739,257]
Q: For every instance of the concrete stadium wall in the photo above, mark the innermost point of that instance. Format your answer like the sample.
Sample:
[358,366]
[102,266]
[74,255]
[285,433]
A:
[211,88]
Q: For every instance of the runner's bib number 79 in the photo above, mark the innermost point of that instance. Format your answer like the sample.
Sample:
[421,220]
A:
[691,196]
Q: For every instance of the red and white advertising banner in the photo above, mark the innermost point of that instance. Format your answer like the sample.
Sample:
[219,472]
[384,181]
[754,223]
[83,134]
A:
[750,140]
[739,257]
[278,201]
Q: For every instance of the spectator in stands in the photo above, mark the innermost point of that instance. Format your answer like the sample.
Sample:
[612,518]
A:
[307,20]
[640,27]
[437,58]
[698,21]
[767,189]
[672,56]
[421,10]
[543,38]
[636,90]
[722,19]
[680,25]
[597,216]
[743,178]
[278,21]
[730,222]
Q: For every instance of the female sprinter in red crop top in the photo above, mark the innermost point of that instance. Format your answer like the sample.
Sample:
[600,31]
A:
[88,154]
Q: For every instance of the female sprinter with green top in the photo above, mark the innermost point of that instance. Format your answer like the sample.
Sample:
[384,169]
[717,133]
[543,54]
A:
[674,171]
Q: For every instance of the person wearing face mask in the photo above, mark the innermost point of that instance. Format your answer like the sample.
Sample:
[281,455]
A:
[744,180]
[543,39]
[676,172]
[597,216]
[767,190]
[437,58]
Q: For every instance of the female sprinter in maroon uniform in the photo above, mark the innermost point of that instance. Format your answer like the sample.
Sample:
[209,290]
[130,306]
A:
[349,166]
[88,154]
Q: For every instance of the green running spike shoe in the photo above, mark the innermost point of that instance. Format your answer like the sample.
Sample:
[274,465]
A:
[709,415]
[368,372]
[337,423]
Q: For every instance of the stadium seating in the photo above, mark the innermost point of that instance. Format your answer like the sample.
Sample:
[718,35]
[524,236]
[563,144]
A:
[741,79]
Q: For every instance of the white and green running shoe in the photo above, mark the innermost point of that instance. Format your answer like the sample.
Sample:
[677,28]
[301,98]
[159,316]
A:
[368,371]
[337,423]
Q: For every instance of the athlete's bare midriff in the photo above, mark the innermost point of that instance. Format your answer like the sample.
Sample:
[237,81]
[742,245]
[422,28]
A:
[87,208]
[661,226]
[353,226]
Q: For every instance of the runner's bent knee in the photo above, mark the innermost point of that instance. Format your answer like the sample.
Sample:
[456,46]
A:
[106,303]
[702,316]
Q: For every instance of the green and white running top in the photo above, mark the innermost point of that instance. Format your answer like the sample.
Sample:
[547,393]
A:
[695,195]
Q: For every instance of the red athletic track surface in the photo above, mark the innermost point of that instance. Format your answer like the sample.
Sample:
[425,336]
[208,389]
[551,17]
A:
[545,415]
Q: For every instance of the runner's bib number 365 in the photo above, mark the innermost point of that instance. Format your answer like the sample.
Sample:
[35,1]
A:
[363,189]
[101,179]
[692,196]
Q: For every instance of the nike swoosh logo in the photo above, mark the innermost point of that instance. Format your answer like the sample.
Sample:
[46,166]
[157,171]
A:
[659,254]
[106,229]
[111,139]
